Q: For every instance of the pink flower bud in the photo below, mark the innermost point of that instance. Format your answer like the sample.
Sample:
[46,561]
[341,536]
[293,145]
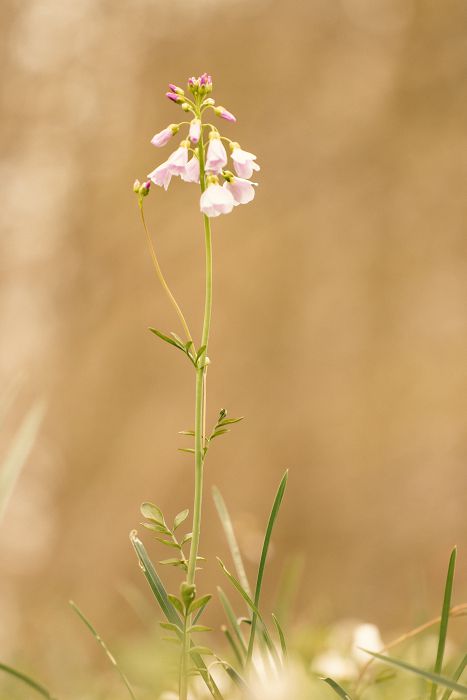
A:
[164,136]
[224,113]
[195,131]
[174,97]
[177,90]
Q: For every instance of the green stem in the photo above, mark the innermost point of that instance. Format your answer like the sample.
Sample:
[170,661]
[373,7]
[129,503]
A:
[161,277]
[183,675]
[199,387]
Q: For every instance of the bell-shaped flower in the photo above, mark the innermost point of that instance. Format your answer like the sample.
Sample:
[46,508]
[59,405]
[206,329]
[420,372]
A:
[241,190]
[195,131]
[217,155]
[216,200]
[174,165]
[164,136]
[191,173]
[244,162]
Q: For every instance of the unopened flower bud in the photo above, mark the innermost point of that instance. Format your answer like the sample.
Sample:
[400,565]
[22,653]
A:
[145,187]
[188,593]
[195,131]
[207,361]
[136,186]
[186,107]
[177,90]
[225,114]
[208,102]
[174,97]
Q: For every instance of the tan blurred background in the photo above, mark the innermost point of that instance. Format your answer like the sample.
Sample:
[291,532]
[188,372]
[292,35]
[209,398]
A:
[339,324]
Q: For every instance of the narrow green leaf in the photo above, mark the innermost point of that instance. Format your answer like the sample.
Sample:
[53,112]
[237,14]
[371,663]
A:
[235,676]
[280,632]
[254,608]
[187,538]
[191,433]
[199,353]
[168,543]
[156,585]
[27,680]
[216,433]
[233,620]
[105,648]
[154,527]
[267,538]
[443,627]
[202,651]
[199,604]
[165,338]
[173,562]
[229,532]
[200,628]
[230,421]
[169,626]
[178,340]
[152,512]
[180,518]
[457,674]
[233,644]
[186,449]
[177,603]
[433,677]
[337,688]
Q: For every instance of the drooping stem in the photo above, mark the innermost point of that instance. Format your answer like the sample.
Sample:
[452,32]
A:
[199,387]
[161,277]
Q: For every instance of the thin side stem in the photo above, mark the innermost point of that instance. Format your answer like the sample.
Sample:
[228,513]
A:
[161,277]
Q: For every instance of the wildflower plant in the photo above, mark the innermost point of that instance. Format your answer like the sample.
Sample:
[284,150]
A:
[201,157]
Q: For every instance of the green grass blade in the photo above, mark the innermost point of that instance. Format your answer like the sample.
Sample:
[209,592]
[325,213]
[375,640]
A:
[432,677]
[27,680]
[227,526]
[281,634]
[104,646]
[233,645]
[443,627]
[158,589]
[18,452]
[232,618]
[267,539]
[155,583]
[457,674]
[337,688]
[255,610]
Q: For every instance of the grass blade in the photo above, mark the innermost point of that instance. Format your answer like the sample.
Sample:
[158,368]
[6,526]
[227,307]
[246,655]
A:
[27,680]
[457,674]
[158,589]
[251,604]
[227,526]
[443,627]
[433,677]
[280,632]
[267,539]
[232,618]
[337,688]
[104,646]
[156,585]
[18,453]
[233,645]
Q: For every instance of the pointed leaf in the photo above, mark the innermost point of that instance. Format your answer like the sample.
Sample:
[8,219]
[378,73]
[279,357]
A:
[187,538]
[202,651]
[169,626]
[176,603]
[433,677]
[230,421]
[180,518]
[227,526]
[280,632]
[200,628]
[164,337]
[443,627]
[456,675]
[218,432]
[27,680]
[337,688]
[186,449]
[173,562]
[200,603]
[152,512]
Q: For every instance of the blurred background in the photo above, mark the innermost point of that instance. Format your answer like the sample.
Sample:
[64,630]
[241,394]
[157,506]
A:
[339,325]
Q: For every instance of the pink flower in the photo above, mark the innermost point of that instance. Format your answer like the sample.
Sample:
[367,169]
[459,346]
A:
[164,136]
[241,190]
[217,156]
[225,114]
[195,131]
[216,200]
[244,162]
[174,165]
[191,173]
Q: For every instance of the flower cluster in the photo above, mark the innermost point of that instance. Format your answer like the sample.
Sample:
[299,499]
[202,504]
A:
[204,160]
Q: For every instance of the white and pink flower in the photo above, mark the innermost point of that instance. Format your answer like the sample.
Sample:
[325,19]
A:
[195,131]
[217,155]
[174,165]
[191,173]
[225,114]
[244,161]
[216,200]
[241,190]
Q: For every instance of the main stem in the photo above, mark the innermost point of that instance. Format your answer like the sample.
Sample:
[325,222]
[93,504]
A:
[199,386]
